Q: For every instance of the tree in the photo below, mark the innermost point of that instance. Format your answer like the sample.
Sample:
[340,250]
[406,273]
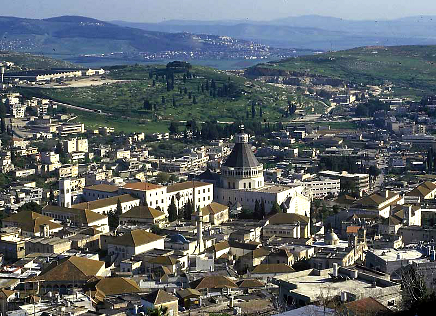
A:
[188,209]
[163,99]
[2,110]
[59,149]
[119,207]
[3,125]
[30,206]
[147,105]
[253,111]
[415,293]
[194,99]
[262,209]
[162,177]
[374,172]
[256,209]
[174,178]
[173,129]
[155,229]
[275,208]
[160,311]
[17,197]
[178,197]
[51,197]
[113,220]
[260,112]
[172,211]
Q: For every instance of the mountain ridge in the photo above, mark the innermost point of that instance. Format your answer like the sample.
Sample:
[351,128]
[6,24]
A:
[311,31]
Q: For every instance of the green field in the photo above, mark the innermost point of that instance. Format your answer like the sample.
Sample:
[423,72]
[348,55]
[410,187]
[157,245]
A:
[127,125]
[412,69]
[125,101]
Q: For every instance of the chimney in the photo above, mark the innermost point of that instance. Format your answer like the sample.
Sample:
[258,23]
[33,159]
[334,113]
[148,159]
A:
[386,193]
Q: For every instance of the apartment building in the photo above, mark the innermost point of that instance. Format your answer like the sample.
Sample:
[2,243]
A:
[199,192]
[154,195]
[356,181]
[320,188]
[75,144]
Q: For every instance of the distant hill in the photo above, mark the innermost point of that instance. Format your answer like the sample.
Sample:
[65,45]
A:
[75,35]
[311,31]
[412,69]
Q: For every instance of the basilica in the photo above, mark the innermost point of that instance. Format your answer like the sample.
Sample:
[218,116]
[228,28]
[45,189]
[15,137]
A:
[242,183]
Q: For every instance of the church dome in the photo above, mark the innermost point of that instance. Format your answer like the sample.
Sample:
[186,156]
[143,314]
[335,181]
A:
[331,238]
[178,238]
[241,155]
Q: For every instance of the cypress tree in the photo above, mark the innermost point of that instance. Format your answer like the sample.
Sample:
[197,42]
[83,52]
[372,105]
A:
[172,211]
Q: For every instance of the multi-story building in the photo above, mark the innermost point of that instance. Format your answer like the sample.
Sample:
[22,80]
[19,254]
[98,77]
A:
[12,245]
[99,191]
[132,243]
[349,181]
[105,206]
[24,173]
[68,171]
[379,203]
[17,110]
[77,217]
[154,195]
[323,187]
[122,154]
[70,128]
[200,193]
[6,162]
[194,161]
[75,144]
[49,158]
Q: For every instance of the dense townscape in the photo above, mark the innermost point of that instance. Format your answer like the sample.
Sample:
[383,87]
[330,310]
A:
[317,196]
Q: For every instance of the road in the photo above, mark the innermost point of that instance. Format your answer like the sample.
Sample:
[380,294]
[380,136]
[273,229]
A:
[74,107]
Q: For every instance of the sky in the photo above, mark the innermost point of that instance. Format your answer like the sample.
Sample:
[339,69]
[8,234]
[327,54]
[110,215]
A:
[260,10]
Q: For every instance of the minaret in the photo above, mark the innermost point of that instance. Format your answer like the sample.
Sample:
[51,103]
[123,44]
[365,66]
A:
[65,193]
[200,245]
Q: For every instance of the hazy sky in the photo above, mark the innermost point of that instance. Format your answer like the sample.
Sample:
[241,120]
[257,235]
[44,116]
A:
[159,10]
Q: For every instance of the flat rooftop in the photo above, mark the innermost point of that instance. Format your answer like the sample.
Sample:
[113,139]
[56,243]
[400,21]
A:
[313,286]
[269,188]
[390,254]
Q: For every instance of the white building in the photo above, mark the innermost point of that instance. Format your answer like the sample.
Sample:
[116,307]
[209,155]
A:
[73,145]
[242,182]
[132,243]
[199,192]
[323,187]
[105,206]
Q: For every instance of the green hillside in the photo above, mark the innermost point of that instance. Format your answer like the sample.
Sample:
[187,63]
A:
[29,61]
[203,94]
[412,69]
